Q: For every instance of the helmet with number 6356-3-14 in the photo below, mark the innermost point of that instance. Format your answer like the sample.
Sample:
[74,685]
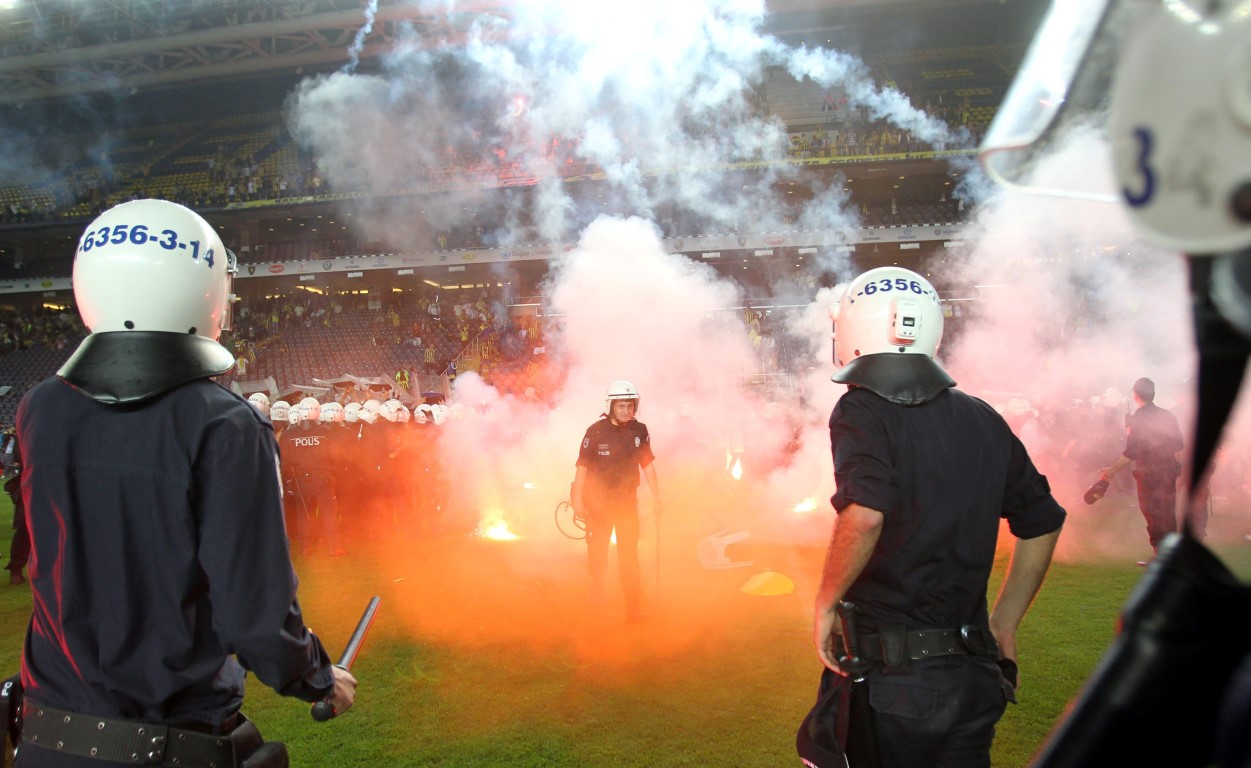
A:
[889,309]
[152,282]
[153,265]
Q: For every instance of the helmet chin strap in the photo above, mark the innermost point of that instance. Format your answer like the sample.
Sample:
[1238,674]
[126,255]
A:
[1223,353]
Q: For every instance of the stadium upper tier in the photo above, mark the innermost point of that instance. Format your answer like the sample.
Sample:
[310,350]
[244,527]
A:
[249,158]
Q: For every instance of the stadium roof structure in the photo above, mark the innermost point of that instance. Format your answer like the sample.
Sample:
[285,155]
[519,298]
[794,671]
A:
[57,48]
[60,48]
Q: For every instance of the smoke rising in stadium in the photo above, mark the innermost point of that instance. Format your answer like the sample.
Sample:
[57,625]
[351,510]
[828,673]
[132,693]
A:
[661,98]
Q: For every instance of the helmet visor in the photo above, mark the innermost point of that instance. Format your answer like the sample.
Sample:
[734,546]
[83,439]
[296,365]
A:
[232,269]
[1044,89]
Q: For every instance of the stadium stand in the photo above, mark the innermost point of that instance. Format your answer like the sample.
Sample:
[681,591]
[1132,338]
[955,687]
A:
[241,162]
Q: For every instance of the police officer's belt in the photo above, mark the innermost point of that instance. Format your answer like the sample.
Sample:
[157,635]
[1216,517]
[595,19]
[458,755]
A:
[930,643]
[128,741]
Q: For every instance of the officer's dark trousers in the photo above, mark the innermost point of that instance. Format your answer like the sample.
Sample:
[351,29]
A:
[319,500]
[940,713]
[602,519]
[1157,498]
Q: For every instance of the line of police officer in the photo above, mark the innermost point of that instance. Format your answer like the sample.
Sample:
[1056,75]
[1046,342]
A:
[356,472]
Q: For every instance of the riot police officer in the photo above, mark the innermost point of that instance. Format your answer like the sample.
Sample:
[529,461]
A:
[147,483]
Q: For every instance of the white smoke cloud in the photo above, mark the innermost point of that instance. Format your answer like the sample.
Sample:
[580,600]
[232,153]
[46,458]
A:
[358,42]
[657,101]
[1068,302]
[624,308]
[1070,305]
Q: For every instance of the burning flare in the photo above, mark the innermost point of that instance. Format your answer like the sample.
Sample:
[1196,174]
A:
[807,505]
[495,527]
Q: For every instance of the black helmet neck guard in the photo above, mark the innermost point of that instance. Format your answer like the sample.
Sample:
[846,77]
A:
[131,366]
[900,378]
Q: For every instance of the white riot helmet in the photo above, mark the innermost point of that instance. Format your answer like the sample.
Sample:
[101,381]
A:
[621,390]
[886,332]
[402,415]
[388,410]
[153,265]
[152,283]
[423,413]
[439,413]
[371,405]
[889,309]
[367,415]
[294,416]
[350,412]
[331,413]
[260,401]
[310,409]
[1179,121]
[279,411]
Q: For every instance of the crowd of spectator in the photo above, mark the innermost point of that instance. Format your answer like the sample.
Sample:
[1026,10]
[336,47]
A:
[46,328]
[429,334]
[88,24]
[227,177]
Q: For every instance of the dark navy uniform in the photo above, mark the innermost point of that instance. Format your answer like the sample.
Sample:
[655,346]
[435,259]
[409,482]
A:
[371,512]
[159,568]
[429,483]
[1153,440]
[307,449]
[344,477]
[19,547]
[612,455]
[395,493]
[943,474]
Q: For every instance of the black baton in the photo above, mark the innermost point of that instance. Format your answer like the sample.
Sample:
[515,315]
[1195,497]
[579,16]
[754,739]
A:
[324,710]
[861,730]
[853,663]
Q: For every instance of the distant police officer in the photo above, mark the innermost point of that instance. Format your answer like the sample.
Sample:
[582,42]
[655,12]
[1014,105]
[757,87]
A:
[159,569]
[605,490]
[1153,441]
[924,475]
[307,449]
[19,547]
[279,416]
